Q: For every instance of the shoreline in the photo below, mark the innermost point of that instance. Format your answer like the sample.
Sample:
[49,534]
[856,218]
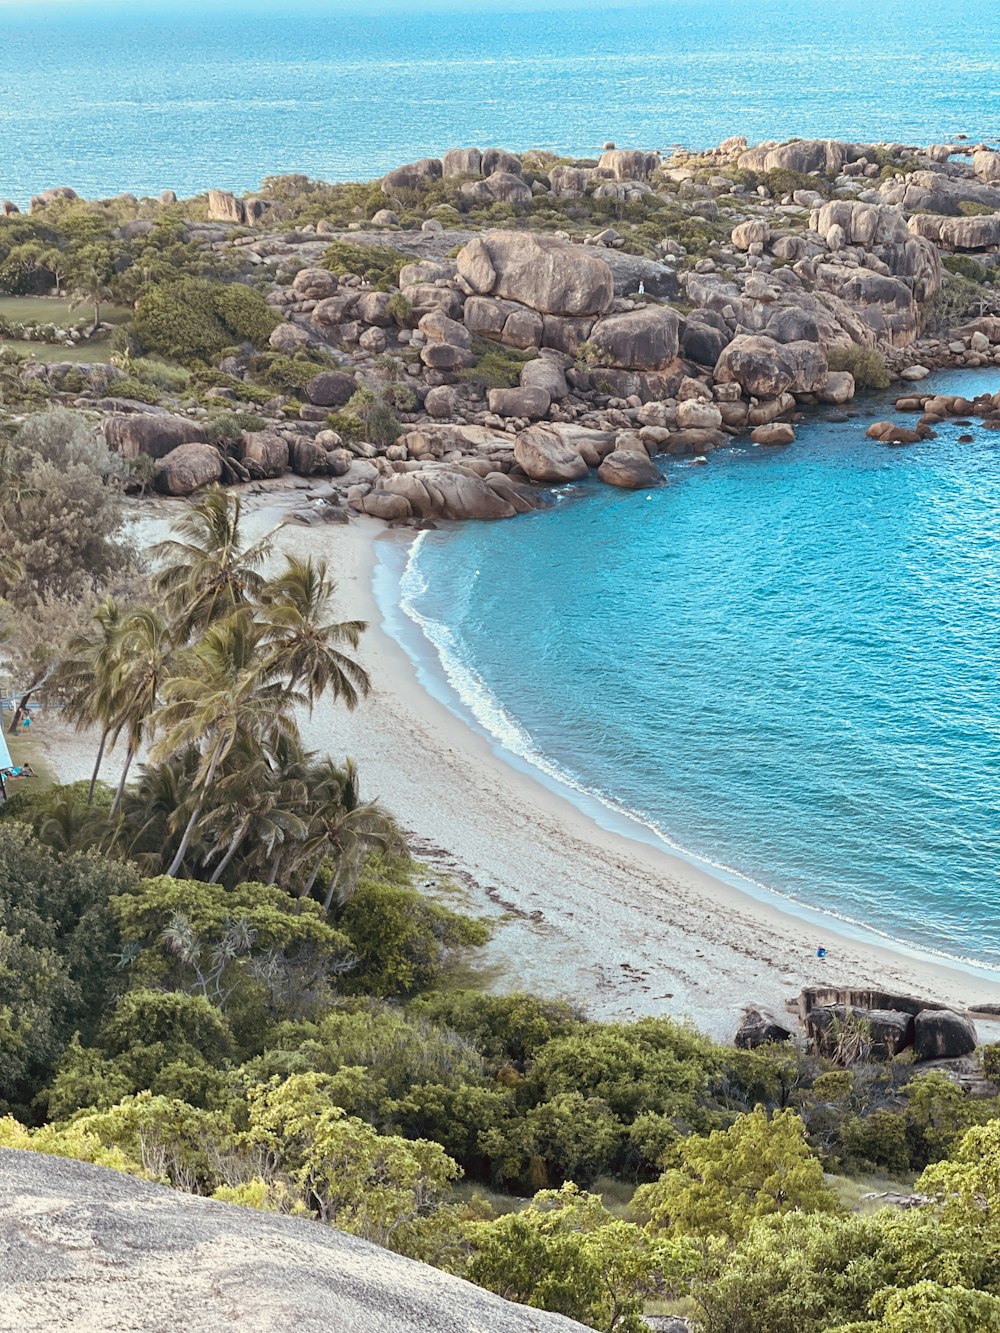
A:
[593,910]
[599,915]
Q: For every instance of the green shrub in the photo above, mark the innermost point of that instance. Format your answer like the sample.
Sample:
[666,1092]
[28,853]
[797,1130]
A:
[378,264]
[970,210]
[866,364]
[349,427]
[496,367]
[192,319]
[401,310]
[180,321]
[246,314]
[227,427]
[965,267]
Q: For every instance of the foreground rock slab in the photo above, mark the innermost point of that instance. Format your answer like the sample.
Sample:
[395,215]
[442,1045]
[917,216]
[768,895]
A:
[88,1249]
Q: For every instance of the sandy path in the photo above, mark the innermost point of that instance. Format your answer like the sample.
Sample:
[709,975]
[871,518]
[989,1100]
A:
[612,923]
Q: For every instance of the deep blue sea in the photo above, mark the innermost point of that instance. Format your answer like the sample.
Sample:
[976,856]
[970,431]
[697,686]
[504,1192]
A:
[142,95]
[787,663]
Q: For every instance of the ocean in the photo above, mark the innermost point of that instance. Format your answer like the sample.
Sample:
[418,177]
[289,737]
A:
[146,96]
[786,664]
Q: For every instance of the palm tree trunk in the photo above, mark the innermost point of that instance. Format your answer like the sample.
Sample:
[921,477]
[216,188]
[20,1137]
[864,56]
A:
[313,877]
[238,837]
[97,767]
[176,863]
[121,785]
[328,900]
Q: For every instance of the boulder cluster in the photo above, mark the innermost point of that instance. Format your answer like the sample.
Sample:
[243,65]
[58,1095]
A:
[851,1025]
[610,358]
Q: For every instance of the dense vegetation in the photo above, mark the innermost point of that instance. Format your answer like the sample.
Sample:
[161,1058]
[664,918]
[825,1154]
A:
[218,971]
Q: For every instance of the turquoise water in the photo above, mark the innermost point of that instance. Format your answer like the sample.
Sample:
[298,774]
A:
[142,96]
[787,663]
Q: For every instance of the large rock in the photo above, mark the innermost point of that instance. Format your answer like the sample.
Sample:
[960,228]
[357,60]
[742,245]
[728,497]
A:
[765,369]
[154,434]
[848,1034]
[976,233]
[314,284]
[801,155]
[439,490]
[545,456]
[225,207]
[524,402]
[545,372]
[413,176]
[861,224]
[942,1034]
[549,275]
[501,187]
[499,159]
[187,468]
[330,388]
[986,165]
[628,164]
[438,328]
[87,1248]
[264,453]
[758,1027]
[306,457]
[288,338]
[631,469]
[642,339]
[462,162]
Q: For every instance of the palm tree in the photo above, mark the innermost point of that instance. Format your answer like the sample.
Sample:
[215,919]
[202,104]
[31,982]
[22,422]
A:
[154,811]
[146,652]
[225,689]
[88,679]
[208,568]
[304,643]
[254,791]
[342,827]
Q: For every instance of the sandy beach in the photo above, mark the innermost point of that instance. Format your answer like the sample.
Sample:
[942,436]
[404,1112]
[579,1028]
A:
[612,923]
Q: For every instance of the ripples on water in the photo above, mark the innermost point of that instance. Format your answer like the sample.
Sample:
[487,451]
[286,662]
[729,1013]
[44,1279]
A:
[788,662]
[144,97]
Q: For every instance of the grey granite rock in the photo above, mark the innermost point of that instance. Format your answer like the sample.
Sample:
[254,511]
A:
[87,1249]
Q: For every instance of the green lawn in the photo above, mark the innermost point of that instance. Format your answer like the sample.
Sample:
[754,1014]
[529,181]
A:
[55,310]
[99,350]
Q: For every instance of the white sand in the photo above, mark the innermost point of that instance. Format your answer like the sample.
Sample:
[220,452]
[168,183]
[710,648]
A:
[618,926]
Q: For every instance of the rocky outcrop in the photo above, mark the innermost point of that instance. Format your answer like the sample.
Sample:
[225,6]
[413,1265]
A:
[462,162]
[631,469]
[501,187]
[88,1248]
[187,469]
[412,177]
[801,155]
[758,1027]
[154,434]
[543,455]
[942,1034]
[860,224]
[547,274]
[264,453]
[330,388]
[853,1024]
[441,490]
[627,164]
[975,233]
[641,339]
[764,368]
[844,1033]
[314,284]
